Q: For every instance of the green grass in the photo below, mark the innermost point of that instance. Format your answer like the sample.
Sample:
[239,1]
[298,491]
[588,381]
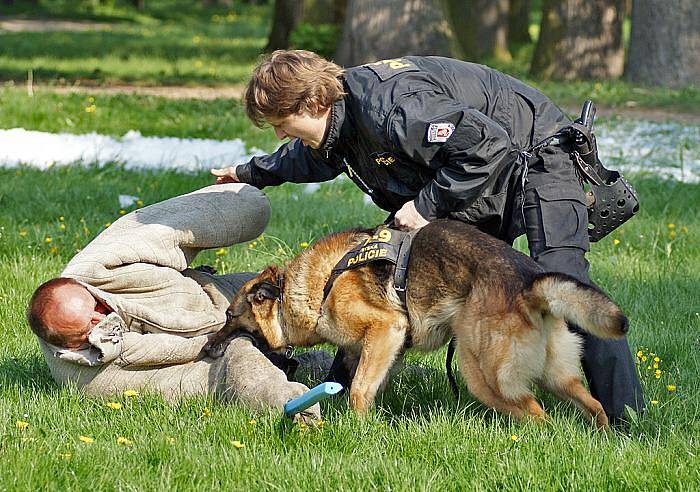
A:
[173,42]
[221,119]
[418,438]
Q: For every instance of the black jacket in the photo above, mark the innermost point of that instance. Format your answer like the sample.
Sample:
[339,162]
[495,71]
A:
[444,133]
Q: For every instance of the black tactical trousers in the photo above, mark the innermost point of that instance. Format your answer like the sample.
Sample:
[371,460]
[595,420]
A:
[556,224]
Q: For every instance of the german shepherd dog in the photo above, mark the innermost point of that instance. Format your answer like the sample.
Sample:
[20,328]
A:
[508,315]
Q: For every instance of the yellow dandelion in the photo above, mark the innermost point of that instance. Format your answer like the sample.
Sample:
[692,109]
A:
[61,218]
[656,359]
[514,438]
[171,440]
[658,371]
[91,99]
[22,233]
[231,17]
[122,211]
[616,242]
[639,354]
[672,226]
[86,439]
[48,240]
[220,252]
[657,376]
[672,234]
[199,63]
[644,358]
[654,402]
[252,421]
[321,423]
[123,441]
[671,387]
[107,224]
[53,250]
[21,424]
[684,229]
[207,412]
[196,39]
[212,70]
[139,203]
[91,109]
[114,405]
[649,368]
[238,444]
[131,393]
[656,366]
[304,244]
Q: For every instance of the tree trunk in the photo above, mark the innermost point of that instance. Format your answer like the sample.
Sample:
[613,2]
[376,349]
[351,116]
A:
[519,22]
[481,27]
[380,29]
[664,43]
[287,15]
[324,12]
[580,39]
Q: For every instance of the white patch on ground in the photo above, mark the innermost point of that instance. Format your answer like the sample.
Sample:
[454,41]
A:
[43,150]
[669,150]
[127,200]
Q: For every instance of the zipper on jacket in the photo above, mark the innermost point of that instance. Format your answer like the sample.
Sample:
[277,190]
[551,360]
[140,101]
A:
[352,172]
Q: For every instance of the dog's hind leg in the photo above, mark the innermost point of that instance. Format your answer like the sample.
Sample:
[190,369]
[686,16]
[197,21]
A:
[478,386]
[380,347]
[561,372]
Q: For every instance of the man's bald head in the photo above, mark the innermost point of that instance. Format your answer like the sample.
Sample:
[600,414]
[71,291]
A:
[62,312]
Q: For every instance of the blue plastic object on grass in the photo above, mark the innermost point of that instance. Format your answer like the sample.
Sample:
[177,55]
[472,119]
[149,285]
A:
[314,395]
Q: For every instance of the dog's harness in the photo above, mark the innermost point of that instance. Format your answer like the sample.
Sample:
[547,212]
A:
[386,244]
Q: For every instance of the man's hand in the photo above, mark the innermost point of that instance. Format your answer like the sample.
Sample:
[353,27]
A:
[408,217]
[225,175]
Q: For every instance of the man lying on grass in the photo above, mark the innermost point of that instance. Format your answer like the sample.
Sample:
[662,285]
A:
[128,314]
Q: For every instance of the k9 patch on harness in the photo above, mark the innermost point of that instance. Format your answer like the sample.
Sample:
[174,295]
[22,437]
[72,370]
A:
[440,132]
[383,245]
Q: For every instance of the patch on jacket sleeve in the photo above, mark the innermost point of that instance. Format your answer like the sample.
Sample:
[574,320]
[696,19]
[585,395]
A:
[440,132]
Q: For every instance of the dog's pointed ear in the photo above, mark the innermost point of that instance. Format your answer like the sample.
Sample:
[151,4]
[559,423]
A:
[263,291]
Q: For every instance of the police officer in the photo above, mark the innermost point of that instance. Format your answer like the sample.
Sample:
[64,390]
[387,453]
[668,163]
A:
[431,137]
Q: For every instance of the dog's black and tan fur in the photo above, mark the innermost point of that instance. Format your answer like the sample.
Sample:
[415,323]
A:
[507,315]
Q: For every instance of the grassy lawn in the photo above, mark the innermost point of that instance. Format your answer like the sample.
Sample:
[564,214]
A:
[419,437]
[173,42]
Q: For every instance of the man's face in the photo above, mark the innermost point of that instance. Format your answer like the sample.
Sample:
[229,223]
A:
[309,129]
[73,314]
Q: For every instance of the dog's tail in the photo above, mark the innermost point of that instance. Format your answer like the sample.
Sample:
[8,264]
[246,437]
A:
[564,297]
